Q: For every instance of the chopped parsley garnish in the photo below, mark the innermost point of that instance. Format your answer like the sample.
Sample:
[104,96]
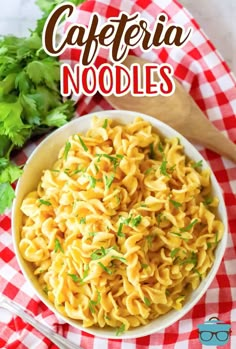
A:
[197,272]
[209,245]
[109,180]
[74,277]
[114,159]
[163,168]
[54,170]
[105,123]
[149,170]
[82,220]
[119,233]
[167,292]
[174,252]
[96,168]
[197,164]
[216,237]
[152,154]
[144,266]
[46,290]
[159,218]
[92,181]
[135,221]
[192,259]
[92,303]
[107,270]
[147,301]
[150,239]
[207,201]
[120,330]
[45,202]
[176,204]
[86,270]
[174,233]
[57,246]
[122,259]
[189,227]
[100,253]
[66,150]
[160,147]
[82,143]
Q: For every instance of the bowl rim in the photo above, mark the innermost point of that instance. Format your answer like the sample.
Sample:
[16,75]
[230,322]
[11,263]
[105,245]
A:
[204,284]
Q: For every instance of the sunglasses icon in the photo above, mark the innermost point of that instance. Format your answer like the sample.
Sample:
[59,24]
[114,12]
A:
[214,332]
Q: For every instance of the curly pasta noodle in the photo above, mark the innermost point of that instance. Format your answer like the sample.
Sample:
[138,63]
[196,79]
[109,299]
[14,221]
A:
[123,226]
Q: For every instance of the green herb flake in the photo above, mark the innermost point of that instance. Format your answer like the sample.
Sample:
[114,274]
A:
[44,202]
[46,290]
[100,253]
[209,245]
[66,150]
[197,272]
[135,221]
[159,218]
[163,168]
[82,220]
[86,271]
[189,227]
[167,293]
[107,270]
[207,201]
[109,181]
[160,147]
[96,168]
[147,301]
[176,204]
[197,164]
[148,171]
[74,277]
[119,233]
[92,303]
[92,181]
[174,252]
[216,237]
[152,154]
[144,266]
[120,330]
[105,123]
[190,260]
[150,239]
[82,143]
[121,259]
[57,246]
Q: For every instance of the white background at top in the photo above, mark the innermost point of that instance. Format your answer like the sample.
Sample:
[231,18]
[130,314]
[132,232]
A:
[216,17]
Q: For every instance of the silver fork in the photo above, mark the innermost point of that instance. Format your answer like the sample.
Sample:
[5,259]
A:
[57,339]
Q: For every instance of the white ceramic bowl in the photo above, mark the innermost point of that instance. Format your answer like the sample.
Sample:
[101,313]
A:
[45,155]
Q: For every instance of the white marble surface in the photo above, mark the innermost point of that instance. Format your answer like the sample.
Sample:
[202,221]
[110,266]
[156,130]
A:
[216,17]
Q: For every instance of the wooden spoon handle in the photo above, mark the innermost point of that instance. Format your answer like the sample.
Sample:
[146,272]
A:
[209,136]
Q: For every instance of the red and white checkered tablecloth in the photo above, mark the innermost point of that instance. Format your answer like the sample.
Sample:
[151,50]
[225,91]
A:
[206,76]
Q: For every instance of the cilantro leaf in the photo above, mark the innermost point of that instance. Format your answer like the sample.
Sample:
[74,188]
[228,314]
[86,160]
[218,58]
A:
[7,194]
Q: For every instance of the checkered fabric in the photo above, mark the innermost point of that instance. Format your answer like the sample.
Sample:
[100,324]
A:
[206,76]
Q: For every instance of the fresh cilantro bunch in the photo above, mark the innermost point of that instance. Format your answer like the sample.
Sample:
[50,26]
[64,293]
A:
[30,100]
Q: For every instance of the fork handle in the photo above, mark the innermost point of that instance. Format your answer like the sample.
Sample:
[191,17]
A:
[54,337]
